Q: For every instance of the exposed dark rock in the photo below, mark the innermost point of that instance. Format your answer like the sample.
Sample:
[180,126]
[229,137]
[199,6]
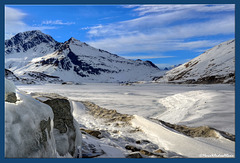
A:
[230,78]
[43,126]
[10,75]
[151,64]
[134,155]
[202,131]
[109,115]
[132,148]
[180,75]
[63,122]
[156,78]
[63,118]
[93,133]
[143,142]
[11,97]
[27,40]
[159,151]
[150,154]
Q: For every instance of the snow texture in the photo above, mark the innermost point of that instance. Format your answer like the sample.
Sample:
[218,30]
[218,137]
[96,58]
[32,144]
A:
[29,131]
[191,105]
[23,134]
[48,61]
[217,63]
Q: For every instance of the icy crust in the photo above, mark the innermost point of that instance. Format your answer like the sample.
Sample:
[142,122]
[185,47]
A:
[216,65]
[28,128]
[144,137]
[9,86]
[181,144]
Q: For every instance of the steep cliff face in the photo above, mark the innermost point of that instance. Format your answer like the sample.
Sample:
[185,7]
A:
[216,65]
[73,60]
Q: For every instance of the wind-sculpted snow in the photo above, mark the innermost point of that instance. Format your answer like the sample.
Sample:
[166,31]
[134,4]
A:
[35,130]
[28,129]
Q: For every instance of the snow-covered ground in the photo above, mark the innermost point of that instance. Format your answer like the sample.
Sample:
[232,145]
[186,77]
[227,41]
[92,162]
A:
[191,105]
[217,62]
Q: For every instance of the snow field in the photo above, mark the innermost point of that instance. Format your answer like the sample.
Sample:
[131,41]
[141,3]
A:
[192,105]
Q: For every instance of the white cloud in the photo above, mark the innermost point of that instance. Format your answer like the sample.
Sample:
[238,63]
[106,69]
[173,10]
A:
[14,23]
[57,22]
[148,9]
[165,30]
[147,57]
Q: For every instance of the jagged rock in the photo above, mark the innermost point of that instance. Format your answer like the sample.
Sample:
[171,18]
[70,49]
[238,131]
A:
[43,126]
[64,124]
[142,142]
[147,153]
[68,57]
[134,155]
[10,97]
[132,148]
[201,131]
[109,115]
[93,133]
[159,151]
[63,118]
[91,151]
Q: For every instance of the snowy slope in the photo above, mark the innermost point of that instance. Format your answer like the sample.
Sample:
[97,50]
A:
[216,65]
[34,52]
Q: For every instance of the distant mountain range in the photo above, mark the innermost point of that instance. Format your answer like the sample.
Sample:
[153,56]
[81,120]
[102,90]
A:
[34,57]
[216,65]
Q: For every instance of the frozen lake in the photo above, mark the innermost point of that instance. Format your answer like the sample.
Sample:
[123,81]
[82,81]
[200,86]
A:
[192,105]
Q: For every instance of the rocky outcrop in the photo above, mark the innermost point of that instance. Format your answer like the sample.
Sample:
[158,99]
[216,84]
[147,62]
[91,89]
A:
[109,115]
[94,133]
[134,155]
[66,130]
[201,131]
[11,97]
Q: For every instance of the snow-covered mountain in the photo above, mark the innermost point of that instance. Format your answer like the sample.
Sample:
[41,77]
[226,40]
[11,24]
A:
[36,56]
[216,65]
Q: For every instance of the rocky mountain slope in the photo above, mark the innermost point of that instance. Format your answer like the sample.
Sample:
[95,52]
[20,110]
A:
[36,56]
[216,65]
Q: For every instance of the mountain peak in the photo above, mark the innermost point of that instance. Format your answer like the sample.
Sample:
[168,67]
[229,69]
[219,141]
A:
[23,41]
[73,40]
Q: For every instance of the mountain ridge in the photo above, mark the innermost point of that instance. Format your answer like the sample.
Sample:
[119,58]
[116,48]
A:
[71,60]
[216,65]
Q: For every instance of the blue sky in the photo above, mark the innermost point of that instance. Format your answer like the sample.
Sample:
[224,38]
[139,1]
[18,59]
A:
[164,34]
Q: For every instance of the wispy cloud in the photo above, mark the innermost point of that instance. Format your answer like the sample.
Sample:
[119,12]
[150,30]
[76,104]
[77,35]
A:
[149,9]
[147,57]
[164,28]
[14,23]
[57,22]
